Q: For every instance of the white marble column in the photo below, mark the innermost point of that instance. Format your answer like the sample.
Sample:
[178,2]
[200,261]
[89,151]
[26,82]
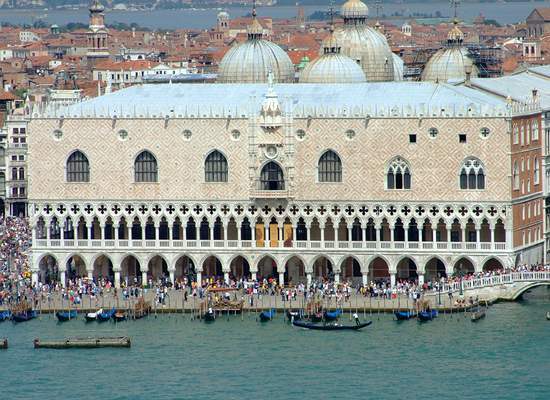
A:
[377,229]
[266,235]
[117,279]
[281,236]
[144,278]
[225,235]
[281,278]
[102,234]
[350,235]
[253,232]
[420,278]
[492,227]
[62,276]
[392,278]
[308,278]
[157,235]
[337,278]
[199,278]
[239,235]
[90,273]
[434,237]
[365,278]
[322,229]
[478,237]
[226,277]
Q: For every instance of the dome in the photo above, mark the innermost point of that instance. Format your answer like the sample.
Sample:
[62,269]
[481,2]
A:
[223,15]
[331,66]
[369,48]
[96,6]
[251,61]
[398,67]
[354,9]
[449,64]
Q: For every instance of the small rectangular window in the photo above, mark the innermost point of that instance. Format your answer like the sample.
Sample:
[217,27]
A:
[412,138]
[16,131]
[22,131]
[14,158]
[462,138]
[21,158]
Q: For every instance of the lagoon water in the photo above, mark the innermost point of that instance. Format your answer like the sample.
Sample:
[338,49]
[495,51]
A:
[510,12]
[504,356]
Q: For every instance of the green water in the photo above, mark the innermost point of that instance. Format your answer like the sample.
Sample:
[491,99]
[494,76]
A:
[505,356]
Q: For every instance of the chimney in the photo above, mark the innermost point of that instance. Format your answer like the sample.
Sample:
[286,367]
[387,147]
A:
[468,71]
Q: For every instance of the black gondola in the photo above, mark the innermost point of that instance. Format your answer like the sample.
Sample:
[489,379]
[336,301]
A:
[209,316]
[296,315]
[267,315]
[63,316]
[428,315]
[330,327]
[24,316]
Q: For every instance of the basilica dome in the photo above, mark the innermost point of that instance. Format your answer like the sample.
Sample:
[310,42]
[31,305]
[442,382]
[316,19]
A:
[364,44]
[452,62]
[332,67]
[253,60]
[398,67]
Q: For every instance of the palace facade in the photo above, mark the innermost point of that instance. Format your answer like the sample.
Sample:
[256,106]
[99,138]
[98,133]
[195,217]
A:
[298,181]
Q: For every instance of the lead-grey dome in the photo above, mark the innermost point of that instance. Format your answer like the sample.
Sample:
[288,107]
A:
[251,61]
[364,44]
[332,67]
[452,62]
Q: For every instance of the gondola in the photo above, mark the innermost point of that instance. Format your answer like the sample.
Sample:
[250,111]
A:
[330,327]
[548,315]
[5,315]
[317,317]
[119,316]
[24,316]
[63,316]
[106,316]
[404,315]
[332,315]
[209,316]
[4,343]
[427,315]
[267,315]
[478,314]
[93,315]
[296,315]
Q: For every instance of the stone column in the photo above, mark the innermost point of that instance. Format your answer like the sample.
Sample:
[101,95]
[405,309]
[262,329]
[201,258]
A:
[224,235]
[420,278]
[130,232]
[350,235]
[294,236]
[239,235]
[406,231]
[392,235]
[253,232]
[143,234]
[448,236]
[90,273]
[308,278]
[226,277]
[463,233]
[337,278]
[254,275]
[172,273]
[34,277]
[62,233]
[63,278]
[102,234]
[117,234]
[364,236]
[420,234]
[392,278]
[365,278]
[281,278]
[211,229]
[308,233]
[48,234]
[322,229]
[266,235]
[377,229]
[199,278]
[492,227]
[117,279]
[170,234]
[144,278]
[478,237]
[434,236]
[336,236]
[157,235]
[281,236]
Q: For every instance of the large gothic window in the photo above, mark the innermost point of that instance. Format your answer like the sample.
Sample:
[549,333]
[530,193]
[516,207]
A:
[472,174]
[330,167]
[271,177]
[215,167]
[399,174]
[78,168]
[145,168]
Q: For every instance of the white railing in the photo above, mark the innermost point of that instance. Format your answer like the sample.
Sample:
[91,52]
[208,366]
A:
[297,244]
[483,282]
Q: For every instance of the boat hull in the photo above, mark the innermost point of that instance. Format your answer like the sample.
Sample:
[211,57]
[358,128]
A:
[331,327]
[65,316]
[209,317]
[425,316]
[23,317]
[404,315]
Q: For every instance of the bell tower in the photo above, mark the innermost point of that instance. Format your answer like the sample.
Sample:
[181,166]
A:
[97,34]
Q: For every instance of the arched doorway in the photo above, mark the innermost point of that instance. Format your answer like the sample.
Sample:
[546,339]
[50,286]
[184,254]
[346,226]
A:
[158,268]
[48,270]
[295,271]
[323,269]
[435,269]
[379,270]
[239,268]
[271,177]
[492,264]
[131,270]
[267,268]
[463,267]
[212,268]
[406,270]
[76,268]
[103,269]
[185,269]
[351,271]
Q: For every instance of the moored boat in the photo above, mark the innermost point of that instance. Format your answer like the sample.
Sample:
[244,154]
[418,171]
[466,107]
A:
[24,316]
[548,315]
[5,315]
[106,316]
[79,343]
[478,314]
[63,316]
[267,315]
[332,315]
[4,343]
[93,315]
[330,327]
[296,315]
[404,315]
[209,316]
[119,316]
[142,308]
[427,315]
